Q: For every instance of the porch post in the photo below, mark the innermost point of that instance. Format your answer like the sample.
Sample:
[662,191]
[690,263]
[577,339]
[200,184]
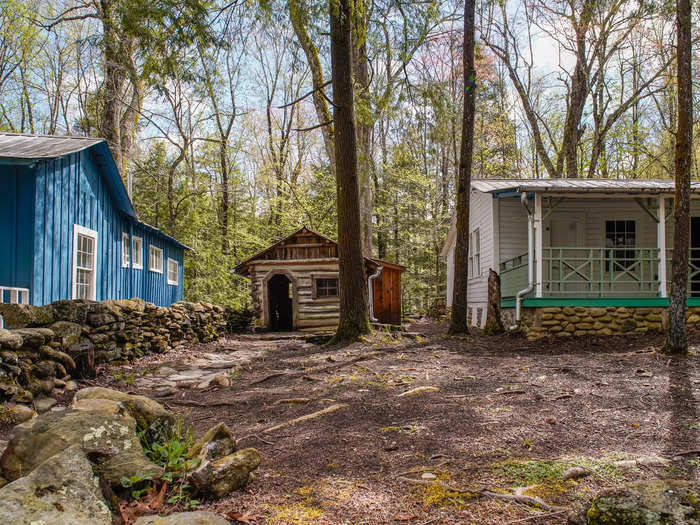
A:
[538,245]
[661,244]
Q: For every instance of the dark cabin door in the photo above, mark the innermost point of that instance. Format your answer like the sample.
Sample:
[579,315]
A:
[694,257]
[281,307]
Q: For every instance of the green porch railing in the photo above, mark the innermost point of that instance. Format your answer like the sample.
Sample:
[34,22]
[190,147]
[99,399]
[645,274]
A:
[600,272]
[513,273]
[693,272]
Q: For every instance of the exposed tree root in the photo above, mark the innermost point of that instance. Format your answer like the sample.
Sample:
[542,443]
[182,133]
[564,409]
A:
[307,417]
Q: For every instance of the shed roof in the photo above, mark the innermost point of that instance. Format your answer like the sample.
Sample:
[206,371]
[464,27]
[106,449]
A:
[34,147]
[654,186]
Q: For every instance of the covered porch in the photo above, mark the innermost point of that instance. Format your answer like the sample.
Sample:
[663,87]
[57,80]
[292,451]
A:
[591,248]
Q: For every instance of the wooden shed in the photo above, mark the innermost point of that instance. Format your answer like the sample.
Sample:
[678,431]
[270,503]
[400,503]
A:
[294,284]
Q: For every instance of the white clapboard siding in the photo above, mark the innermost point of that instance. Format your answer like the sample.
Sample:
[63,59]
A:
[481,217]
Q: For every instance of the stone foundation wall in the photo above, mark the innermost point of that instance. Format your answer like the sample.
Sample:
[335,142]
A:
[577,321]
[43,347]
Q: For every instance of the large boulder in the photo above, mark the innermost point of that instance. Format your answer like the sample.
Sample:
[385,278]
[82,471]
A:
[183,518]
[151,416]
[10,339]
[60,491]
[109,439]
[655,502]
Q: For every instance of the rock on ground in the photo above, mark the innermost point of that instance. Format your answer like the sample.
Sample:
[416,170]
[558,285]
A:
[184,518]
[150,415]
[655,502]
[110,438]
[219,477]
[61,491]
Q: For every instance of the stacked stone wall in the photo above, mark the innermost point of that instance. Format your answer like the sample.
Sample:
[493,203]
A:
[42,348]
[578,321]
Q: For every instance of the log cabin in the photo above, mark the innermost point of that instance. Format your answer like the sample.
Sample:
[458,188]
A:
[294,285]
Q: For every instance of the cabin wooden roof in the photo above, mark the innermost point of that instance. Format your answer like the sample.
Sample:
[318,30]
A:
[305,244]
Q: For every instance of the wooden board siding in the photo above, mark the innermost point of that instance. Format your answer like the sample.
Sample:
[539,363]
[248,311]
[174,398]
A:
[386,293]
[72,191]
[481,216]
[16,226]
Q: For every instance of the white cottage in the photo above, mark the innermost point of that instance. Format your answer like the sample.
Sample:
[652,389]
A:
[567,247]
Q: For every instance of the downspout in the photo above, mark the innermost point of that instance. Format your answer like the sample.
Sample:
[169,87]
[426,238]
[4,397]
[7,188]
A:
[371,278]
[530,261]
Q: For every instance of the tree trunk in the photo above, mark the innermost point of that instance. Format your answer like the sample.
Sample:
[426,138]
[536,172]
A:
[458,322]
[354,312]
[364,123]
[494,323]
[677,339]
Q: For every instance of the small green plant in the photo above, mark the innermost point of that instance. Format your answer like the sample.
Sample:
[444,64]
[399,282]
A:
[172,456]
[132,482]
[235,374]
[121,377]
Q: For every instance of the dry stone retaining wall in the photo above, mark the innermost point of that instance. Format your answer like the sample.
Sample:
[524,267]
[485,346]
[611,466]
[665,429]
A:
[577,321]
[44,346]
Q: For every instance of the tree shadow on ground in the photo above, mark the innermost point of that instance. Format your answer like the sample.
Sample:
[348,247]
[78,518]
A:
[683,418]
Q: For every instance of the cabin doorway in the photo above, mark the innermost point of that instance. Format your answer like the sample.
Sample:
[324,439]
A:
[281,293]
[694,273]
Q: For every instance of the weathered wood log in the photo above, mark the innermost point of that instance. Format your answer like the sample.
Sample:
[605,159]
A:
[494,323]
[83,354]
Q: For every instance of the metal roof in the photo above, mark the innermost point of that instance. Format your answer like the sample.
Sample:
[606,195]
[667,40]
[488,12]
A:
[577,185]
[18,146]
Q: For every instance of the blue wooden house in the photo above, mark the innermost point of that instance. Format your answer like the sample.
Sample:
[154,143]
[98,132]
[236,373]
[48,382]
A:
[68,229]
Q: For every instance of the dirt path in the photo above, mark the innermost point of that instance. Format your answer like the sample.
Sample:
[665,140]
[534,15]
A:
[504,414]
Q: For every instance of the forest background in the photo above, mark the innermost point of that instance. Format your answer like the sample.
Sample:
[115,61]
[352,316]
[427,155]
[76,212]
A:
[219,113]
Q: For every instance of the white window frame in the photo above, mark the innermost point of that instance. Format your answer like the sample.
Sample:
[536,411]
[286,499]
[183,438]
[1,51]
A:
[87,232]
[177,272]
[474,254]
[150,259]
[136,255]
[126,253]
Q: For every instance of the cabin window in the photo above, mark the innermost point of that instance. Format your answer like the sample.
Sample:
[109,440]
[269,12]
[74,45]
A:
[172,271]
[155,259]
[326,287]
[136,252]
[84,262]
[620,234]
[125,250]
[474,254]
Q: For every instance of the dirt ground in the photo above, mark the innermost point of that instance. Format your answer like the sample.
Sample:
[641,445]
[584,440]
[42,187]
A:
[505,414]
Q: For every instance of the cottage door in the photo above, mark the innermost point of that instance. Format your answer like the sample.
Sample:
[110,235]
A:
[279,289]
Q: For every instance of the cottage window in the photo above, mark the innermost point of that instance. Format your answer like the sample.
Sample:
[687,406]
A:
[474,254]
[326,287]
[155,259]
[136,252]
[125,250]
[172,271]
[620,233]
[84,262]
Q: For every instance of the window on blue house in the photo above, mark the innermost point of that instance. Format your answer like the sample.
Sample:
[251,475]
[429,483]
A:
[172,271]
[125,250]
[136,252]
[84,262]
[155,259]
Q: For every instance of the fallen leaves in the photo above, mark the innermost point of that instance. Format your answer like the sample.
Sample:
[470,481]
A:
[150,504]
